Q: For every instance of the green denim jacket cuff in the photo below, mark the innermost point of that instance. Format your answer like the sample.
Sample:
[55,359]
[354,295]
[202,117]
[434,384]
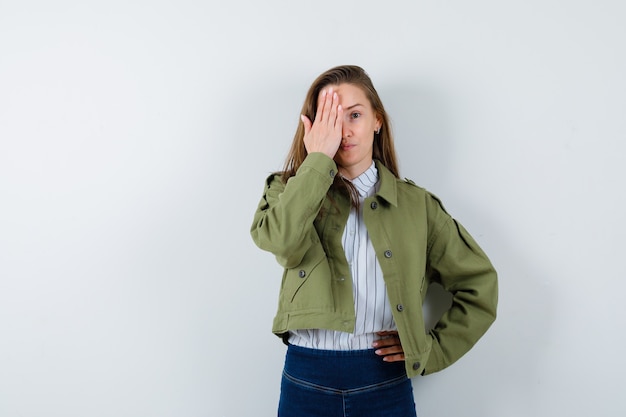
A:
[320,163]
[436,361]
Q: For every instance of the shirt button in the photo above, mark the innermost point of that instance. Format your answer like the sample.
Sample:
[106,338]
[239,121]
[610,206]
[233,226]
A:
[399,307]
[302,273]
[388,254]
[416,366]
[374,205]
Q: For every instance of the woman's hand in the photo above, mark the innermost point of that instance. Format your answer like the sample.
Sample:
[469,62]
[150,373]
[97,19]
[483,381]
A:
[389,346]
[324,134]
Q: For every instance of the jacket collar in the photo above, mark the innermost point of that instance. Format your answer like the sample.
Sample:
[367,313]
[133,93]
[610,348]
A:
[388,184]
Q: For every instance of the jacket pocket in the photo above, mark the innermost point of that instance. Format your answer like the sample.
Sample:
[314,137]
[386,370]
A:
[296,278]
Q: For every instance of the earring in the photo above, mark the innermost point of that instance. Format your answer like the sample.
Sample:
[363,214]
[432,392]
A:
[378,131]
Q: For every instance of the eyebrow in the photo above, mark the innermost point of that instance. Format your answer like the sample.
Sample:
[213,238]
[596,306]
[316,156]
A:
[353,106]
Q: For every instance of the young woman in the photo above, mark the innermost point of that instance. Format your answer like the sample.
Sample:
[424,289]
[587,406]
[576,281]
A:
[360,247]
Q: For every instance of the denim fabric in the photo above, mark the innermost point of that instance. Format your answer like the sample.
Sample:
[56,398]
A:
[323,383]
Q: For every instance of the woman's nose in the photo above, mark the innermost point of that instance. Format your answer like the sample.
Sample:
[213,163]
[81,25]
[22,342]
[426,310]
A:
[345,131]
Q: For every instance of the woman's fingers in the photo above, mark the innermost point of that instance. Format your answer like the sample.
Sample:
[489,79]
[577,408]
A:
[394,358]
[386,333]
[324,133]
[389,346]
[323,106]
[327,108]
[307,124]
[332,101]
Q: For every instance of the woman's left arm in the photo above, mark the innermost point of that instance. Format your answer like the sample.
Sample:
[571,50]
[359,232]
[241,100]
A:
[457,262]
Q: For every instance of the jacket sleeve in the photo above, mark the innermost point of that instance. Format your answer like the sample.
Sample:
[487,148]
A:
[283,221]
[459,264]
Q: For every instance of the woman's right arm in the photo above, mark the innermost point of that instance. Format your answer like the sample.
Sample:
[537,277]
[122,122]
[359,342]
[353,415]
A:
[283,222]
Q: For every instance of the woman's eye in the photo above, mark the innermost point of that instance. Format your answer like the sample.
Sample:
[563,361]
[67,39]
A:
[355,115]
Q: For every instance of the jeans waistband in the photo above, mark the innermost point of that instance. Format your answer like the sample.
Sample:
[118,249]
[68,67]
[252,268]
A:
[342,369]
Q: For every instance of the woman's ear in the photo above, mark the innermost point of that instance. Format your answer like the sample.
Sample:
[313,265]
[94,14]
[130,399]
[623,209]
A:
[379,124]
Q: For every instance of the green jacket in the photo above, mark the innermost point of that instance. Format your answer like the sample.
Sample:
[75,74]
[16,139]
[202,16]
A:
[416,243]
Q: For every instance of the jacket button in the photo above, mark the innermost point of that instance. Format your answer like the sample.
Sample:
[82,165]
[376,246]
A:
[302,273]
[374,205]
[399,307]
[332,172]
[388,254]
[416,366]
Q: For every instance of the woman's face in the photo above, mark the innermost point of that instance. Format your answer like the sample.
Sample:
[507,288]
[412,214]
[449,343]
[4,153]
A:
[354,155]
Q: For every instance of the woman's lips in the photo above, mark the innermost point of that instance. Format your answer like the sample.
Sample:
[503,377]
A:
[346,147]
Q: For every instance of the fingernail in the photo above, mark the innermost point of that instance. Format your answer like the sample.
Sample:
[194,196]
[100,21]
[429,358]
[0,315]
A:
[378,352]
[375,344]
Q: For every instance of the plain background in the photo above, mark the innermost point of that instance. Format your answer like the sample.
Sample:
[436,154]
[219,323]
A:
[134,140]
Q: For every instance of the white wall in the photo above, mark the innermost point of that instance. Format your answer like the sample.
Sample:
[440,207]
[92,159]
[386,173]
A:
[134,139]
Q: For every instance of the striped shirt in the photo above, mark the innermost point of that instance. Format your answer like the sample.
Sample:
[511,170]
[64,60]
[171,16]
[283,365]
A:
[373,312]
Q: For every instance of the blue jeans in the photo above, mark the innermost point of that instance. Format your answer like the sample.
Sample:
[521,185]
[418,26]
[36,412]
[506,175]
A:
[324,383]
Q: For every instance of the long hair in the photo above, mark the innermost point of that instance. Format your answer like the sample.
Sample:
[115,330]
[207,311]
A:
[383,149]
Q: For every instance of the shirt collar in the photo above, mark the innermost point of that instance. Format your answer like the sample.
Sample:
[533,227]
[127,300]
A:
[364,182]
